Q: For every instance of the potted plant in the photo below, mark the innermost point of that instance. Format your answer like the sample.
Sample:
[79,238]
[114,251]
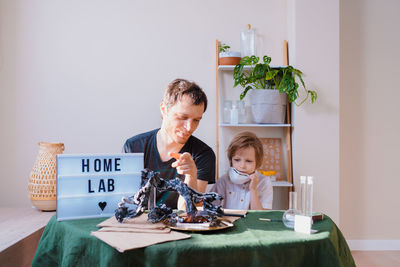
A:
[276,84]
[227,57]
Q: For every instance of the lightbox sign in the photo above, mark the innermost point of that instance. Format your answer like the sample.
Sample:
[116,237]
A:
[92,185]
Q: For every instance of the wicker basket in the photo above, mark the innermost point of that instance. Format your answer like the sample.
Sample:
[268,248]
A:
[42,184]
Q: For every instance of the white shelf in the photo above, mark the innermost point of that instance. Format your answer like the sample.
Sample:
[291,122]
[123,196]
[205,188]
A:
[246,67]
[231,67]
[255,125]
[281,184]
[224,131]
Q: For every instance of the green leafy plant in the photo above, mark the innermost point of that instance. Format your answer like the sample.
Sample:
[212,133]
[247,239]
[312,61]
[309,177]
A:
[223,47]
[263,76]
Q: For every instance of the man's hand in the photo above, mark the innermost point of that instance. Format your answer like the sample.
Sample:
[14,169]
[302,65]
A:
[184,164]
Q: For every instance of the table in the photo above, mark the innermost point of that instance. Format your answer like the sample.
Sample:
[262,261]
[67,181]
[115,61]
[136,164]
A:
[251,242]
[21,229]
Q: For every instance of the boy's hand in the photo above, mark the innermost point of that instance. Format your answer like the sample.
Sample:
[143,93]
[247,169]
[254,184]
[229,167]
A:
[253,181]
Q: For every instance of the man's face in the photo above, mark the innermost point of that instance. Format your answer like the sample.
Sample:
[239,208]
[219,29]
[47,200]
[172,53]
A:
[182,119]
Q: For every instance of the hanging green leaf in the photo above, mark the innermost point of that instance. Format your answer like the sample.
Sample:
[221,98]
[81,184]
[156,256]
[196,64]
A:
[263,76]
[271,74]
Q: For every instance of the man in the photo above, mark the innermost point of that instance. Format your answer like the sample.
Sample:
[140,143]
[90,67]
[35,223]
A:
[172,150]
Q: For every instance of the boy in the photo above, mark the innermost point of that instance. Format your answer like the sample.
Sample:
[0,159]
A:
[243,187]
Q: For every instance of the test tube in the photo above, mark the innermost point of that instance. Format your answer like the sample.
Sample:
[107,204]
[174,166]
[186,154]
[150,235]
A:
[303,195]
[309,196]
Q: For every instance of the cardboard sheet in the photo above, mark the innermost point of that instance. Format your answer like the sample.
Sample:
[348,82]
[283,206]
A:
[140,222]
[139,232]
[123,241]
[135,230]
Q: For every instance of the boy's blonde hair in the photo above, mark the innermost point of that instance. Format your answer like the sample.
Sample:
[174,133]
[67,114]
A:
[244,140]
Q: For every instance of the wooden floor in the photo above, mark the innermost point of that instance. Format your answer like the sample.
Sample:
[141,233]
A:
[377,258]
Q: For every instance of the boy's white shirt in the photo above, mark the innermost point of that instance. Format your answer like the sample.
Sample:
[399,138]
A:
[238,196]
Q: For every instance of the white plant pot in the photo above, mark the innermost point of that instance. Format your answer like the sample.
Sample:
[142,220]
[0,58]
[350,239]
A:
[268,106]
[229,54]
[229,58]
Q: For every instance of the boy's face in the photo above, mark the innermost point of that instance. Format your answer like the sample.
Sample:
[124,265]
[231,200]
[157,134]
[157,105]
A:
[182,119]
[244,160]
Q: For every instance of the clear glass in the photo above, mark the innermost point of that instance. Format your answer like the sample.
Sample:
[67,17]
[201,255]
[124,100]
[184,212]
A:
[234,115]
[248,42]
[288,216]
[226,118]
[309,196]
[303,194]
[242,111]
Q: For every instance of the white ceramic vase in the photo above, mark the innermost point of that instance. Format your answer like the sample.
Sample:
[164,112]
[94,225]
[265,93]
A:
[268,106]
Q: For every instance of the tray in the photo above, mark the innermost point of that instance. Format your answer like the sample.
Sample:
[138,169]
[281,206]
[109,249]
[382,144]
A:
[200,227]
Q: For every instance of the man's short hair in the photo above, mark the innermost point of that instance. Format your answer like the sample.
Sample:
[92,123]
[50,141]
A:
[244,140]
[180,87]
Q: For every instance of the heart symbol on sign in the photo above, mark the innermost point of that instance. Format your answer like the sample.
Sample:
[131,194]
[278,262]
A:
[102,205]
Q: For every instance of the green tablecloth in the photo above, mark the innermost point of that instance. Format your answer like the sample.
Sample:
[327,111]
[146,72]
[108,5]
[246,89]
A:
[250,242]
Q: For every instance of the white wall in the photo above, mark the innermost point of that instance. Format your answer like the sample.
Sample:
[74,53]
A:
[92,73]
[316,132]
[369,116]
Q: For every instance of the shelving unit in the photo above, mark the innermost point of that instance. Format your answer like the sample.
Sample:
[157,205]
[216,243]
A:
[223,130]
[255,125]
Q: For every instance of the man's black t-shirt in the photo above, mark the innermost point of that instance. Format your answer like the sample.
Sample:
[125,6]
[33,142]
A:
[202,155]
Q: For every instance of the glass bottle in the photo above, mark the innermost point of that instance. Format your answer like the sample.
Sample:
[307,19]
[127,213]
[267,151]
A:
[234,115]
[288,216]
[242,111]
[248,42]
[226,118]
